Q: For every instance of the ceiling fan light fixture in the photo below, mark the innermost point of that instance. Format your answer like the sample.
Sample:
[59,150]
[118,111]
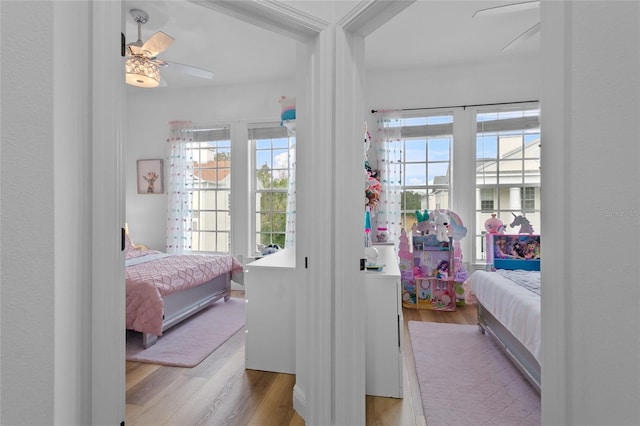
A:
[141,72]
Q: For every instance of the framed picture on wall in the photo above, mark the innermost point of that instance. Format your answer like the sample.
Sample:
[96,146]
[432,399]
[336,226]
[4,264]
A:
[150,177]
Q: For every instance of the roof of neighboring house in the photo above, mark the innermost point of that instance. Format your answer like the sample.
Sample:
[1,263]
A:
[212,170]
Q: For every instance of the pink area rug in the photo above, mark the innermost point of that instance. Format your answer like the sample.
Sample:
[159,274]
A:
[191,341]
[465,379]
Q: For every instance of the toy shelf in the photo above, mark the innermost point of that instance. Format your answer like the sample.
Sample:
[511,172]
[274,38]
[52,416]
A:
[428,282]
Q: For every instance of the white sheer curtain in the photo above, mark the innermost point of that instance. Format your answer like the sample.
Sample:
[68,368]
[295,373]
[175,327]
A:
[389,150]
[180,187]
[290,229]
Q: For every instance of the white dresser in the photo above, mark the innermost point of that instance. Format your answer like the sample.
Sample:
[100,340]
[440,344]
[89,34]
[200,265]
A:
[270,295]
[270,320]
[384,327]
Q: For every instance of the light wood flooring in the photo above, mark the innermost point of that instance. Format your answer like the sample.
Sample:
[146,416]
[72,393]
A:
[219,391]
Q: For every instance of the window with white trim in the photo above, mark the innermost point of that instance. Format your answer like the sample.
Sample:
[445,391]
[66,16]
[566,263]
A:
[507,168]
[211,216]
[487,200]
[272,167]
[426,145]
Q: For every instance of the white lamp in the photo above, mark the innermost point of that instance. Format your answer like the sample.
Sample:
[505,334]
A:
[141,72]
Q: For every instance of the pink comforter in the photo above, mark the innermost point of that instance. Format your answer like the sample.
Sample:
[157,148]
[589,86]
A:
[148,282]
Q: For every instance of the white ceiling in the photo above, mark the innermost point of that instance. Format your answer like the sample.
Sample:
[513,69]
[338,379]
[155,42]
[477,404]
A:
[428,33]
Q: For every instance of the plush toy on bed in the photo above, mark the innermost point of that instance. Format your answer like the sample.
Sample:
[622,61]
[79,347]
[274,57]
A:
[441,221]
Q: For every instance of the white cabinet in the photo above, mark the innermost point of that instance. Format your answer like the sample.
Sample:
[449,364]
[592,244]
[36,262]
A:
[270,320]
[384,325]
[270,313]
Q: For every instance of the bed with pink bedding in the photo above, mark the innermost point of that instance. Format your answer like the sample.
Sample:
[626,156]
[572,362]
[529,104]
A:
[163,289]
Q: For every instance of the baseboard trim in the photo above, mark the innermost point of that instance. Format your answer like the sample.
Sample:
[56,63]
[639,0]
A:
[299,402]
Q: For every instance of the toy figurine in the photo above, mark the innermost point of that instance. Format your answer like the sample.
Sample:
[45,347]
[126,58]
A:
[442,271]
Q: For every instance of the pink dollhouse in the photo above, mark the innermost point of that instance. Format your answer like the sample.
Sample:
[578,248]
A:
[431,266]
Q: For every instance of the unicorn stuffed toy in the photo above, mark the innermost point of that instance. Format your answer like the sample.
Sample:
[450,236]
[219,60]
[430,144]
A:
[441,221]
[523,222]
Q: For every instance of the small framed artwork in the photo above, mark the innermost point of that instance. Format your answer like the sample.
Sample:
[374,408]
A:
[150,177]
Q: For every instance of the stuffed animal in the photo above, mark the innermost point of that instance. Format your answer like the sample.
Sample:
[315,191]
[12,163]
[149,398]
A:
[423,226]
[523,222]
[372,190]
[441,221]
[268,249]
[494,225]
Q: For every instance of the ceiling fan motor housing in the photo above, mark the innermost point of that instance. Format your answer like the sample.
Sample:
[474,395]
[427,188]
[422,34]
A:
[140,16]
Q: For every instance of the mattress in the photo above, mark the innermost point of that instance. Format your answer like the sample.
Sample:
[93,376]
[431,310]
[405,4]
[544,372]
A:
[515,306]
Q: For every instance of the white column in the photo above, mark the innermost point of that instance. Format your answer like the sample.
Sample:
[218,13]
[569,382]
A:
[515,203]
[314,237]
[240,200]
[348,213]
[464,178]
[107,205]
[329,336]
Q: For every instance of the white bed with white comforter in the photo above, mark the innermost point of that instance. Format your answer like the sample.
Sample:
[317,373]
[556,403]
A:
[509,308]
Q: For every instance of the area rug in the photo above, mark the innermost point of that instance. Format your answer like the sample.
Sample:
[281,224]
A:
[465,379]
[191,341]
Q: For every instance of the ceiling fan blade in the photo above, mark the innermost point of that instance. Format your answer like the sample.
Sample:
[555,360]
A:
[156,44]
[187,69]
[522,37]
[134,49]
[507,8]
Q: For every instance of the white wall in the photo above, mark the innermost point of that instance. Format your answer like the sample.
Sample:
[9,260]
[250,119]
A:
[513,79]
[591,226]
[150,111]
[27,222]
[45,373]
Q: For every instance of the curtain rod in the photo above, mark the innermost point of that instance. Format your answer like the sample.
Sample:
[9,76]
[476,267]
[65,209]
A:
[373,111]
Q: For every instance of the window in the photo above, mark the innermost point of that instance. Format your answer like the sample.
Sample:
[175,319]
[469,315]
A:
[211,216]
[528,199]
[507,167]
[487,200]
[425,164]
[273,173]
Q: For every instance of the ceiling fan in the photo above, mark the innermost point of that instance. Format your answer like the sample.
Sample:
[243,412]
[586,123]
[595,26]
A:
[509,8]
[142,66]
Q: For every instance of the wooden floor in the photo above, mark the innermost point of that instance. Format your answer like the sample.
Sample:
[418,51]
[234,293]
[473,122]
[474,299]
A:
[219,391]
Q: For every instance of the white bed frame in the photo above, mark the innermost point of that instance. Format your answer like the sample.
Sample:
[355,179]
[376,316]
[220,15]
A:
[182,305]
[512,347]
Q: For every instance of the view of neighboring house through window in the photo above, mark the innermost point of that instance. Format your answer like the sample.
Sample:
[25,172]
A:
[211,217]
[272,173]
[507,168]
[425,161]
